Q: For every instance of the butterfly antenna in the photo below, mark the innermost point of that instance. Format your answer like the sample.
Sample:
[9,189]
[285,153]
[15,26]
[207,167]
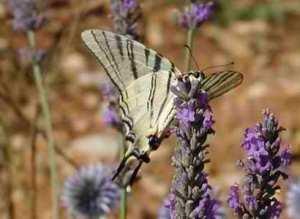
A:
[218,66]
[191,53]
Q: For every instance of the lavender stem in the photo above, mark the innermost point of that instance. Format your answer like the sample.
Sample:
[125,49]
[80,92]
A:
[190,40]
[48,125]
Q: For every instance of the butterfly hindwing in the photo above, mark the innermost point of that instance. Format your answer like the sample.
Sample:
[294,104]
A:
[219,83]
[149,102]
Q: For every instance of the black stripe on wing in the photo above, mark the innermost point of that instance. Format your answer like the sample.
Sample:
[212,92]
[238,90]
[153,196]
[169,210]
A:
[167,92]
[219,83]
[152,96]
[112,60]
[130,53]
[120,45]
[157,63]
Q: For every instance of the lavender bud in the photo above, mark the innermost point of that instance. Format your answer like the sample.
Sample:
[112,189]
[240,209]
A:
[109,92]
[196,14]
[125,15]
[25,15]
[234,199]
[111,115]
[27,55]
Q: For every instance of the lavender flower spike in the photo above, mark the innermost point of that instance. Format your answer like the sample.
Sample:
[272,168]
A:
[196,14]
[90,193]
[25,15]
[125,15]
[193,194]
[265,163]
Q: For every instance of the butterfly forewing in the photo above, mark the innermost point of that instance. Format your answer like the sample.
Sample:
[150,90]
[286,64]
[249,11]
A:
[141,75]
[123,59]
[219,83]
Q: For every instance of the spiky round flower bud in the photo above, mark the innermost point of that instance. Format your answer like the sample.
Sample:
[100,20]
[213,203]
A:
[90,192]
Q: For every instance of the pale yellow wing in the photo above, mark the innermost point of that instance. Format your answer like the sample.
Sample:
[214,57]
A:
[150,105]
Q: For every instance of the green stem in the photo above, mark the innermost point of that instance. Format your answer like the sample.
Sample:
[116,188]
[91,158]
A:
[123,207]
[48,125]
[123,201]
[189,43]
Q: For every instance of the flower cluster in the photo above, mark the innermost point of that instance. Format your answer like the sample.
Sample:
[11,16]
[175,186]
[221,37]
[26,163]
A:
[193,194]
[125,16]
[195,14]
[265,163]
[25,15]
[90,193]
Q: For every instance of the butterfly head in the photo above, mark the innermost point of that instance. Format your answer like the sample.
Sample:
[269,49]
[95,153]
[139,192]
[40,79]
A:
[192,75]
[199,75]
[153,142]
[156,137]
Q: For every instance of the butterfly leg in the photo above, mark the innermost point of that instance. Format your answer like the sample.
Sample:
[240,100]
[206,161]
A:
[122,165]
[142,157]
[135,153]
[134,174]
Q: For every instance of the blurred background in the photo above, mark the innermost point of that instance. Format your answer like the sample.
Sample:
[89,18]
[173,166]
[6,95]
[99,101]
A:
[262,38]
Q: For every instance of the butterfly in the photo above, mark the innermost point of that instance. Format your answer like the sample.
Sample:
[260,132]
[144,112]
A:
[143,78]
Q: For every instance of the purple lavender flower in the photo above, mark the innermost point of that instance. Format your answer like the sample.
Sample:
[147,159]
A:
[266,161]
[193,194]
[293,200]
[27,55]
[186,113]
[109,92]
[167,210]
[234,199]
[90,193]
[196,14]
[111,117]
[125,15]
[111,113]
[25,15]
[209,208]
